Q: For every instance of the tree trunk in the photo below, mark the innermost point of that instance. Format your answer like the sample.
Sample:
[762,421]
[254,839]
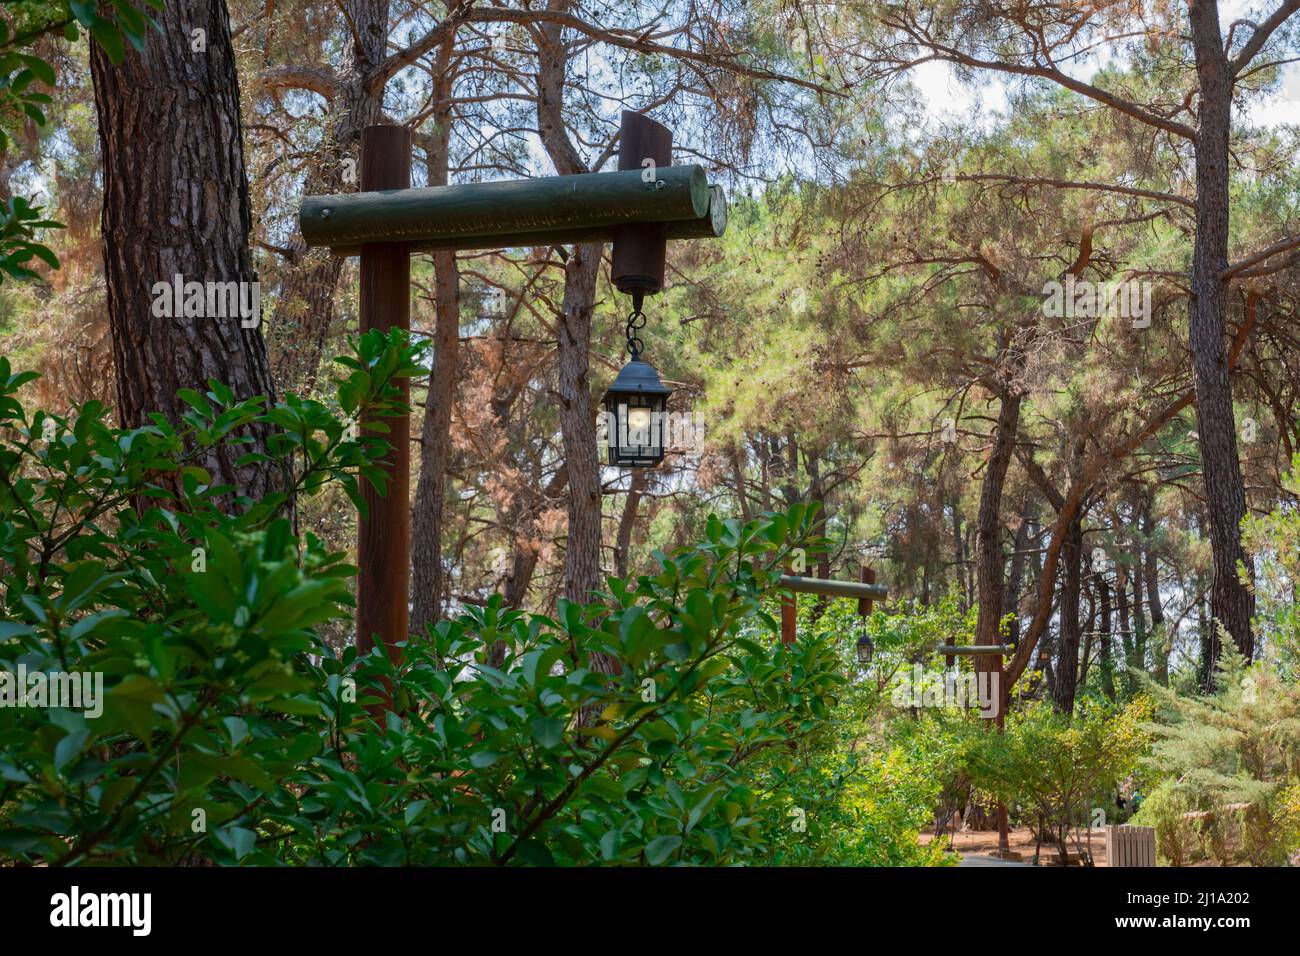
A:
[812,464]
[428,581]
[738,457]
[1129,623]
[1088,631]
[1067,663]
[1231,600]
[626,524]
[1016,573]
[989,559]
[176,203]
[577,424]
[1106,661]
[959,553]
[6,171]
[1150,571]
[577,419]
[1051,639]
[305,310]
[1035,559]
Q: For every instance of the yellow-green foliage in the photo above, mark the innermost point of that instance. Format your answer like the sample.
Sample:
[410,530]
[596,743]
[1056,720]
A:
[883,801]
[1176,835]
[1057,768]
[1234,757]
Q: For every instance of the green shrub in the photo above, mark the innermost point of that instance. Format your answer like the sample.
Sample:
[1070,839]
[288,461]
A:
[874,794]
[1234,757]
[192,605]
[1165,809]
[231,733]
[1057,768]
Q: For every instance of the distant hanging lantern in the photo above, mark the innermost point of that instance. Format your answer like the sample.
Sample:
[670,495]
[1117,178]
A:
[865,650]
[636,405]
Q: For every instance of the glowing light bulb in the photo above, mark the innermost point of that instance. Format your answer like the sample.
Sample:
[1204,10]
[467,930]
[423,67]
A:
[638,425]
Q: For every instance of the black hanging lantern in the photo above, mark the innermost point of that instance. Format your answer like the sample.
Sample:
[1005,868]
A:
[636,406]
[865,650]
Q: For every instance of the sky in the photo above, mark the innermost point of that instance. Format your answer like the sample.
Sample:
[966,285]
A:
[948,98]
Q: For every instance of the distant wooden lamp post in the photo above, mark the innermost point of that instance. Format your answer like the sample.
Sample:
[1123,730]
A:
[866,648]
[866,591]
[387,221]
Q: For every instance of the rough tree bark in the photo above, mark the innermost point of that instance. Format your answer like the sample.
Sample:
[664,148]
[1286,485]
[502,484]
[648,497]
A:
[1231,600]
[989,565]
[428,578]
[176,202]
[626,524]
[306,303]
[577,419]
[989,558]
[428,581]
[1067,658]
[577,424]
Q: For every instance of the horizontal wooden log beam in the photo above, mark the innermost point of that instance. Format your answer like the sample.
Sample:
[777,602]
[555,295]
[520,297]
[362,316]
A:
[973,650]
[829,588]
[709,226]
[512,213]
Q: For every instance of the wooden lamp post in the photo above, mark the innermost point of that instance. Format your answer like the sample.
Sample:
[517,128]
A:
[387,221]
[866,591]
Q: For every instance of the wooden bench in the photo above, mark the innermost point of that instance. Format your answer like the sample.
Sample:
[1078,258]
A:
[1130,846]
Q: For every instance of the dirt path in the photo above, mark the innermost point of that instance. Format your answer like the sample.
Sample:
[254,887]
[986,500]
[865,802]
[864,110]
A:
[985,843]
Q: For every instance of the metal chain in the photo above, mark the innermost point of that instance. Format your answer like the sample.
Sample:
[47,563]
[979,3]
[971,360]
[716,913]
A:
[635,322]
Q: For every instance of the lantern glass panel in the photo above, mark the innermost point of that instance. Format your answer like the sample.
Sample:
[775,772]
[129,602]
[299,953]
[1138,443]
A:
[636,437]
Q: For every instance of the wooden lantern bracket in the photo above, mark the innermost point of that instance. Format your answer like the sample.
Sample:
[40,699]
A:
[639,208]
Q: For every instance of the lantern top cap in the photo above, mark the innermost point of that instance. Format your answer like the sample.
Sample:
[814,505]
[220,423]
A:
[638,378]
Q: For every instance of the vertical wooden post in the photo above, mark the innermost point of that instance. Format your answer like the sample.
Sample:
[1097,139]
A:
[639,250]
[384,538]
[867,576]
[787,616]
